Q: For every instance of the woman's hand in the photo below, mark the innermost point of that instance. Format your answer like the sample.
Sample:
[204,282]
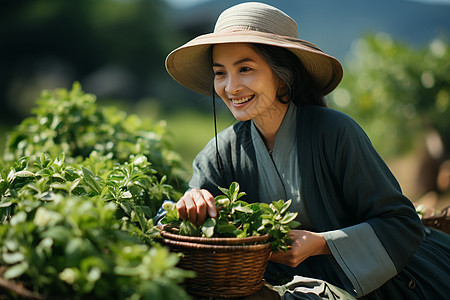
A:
[304,244]
[196,205]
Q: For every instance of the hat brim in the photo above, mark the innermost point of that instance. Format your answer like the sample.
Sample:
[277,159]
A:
[190,64]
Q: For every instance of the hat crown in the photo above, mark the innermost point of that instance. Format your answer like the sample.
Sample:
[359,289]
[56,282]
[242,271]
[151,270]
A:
[254,16]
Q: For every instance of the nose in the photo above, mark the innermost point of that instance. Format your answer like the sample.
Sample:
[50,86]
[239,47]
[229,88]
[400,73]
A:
[233,85]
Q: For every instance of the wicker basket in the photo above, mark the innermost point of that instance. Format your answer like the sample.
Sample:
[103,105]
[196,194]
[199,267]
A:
[225,267]
[440,221]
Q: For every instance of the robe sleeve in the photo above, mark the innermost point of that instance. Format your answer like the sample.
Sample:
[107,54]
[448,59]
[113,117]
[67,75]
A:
[386,230]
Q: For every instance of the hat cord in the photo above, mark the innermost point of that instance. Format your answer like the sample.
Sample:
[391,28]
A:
[218,158]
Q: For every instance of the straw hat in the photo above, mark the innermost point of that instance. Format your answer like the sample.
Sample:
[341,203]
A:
[250,22]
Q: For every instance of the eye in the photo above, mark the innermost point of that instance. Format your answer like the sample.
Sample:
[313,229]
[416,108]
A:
[245,69]
[218,73]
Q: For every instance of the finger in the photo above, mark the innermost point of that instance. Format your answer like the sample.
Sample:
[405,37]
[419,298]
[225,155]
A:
[277,257]
[210,203]
[200,203]
[186,207]
[191,208]
[181,208]
[286,258]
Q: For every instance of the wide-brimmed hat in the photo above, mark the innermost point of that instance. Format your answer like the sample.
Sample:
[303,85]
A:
[250,22]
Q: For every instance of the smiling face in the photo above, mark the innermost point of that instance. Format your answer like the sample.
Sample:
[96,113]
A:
[247,85]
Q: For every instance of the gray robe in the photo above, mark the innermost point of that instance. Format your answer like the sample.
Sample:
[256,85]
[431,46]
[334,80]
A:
[350,195]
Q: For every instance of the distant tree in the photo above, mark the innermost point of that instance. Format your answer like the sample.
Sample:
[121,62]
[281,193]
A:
[78,38]
[401,97]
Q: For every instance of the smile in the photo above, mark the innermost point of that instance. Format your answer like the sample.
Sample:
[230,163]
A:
[242,100]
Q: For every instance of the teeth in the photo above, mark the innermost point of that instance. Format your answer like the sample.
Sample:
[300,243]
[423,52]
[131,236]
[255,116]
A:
[241,100]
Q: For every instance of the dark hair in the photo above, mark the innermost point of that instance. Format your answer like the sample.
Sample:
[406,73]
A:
[301,87]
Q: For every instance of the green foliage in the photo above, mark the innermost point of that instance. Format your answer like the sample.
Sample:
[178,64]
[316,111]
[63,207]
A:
[395,92]
[78,194]
[70,122]
[237,218]
[132,186]
[75,246]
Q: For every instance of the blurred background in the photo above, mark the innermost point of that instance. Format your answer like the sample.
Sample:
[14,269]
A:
[395,55]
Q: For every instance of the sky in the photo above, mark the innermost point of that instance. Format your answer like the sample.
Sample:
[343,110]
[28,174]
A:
[185,3]
[189,3]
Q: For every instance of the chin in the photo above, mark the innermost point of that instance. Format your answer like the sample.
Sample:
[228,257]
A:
[240,117]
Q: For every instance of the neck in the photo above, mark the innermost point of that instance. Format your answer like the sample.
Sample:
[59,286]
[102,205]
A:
[269,124]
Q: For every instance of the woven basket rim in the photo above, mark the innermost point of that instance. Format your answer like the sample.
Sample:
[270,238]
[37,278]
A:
[218,248]
[261,239]
[439,221]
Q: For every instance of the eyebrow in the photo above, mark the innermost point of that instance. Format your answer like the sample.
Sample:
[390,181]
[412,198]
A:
[246,59]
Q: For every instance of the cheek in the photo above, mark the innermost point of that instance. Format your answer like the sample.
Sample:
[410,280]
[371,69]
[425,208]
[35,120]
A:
[218,88]
[268,92]
[266,84]
[274,92]
[275,85]
[220,91]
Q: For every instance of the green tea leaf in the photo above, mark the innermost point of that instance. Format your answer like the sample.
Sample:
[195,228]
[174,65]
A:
[171,216]
[5,204]
[285,206]
[226,229]
[3,189]
[288,218]
[44,172]
[60,159]
[244,209]
[141,218]
[168,206]
[90,180]
[222,200]
[225,191]
[16,270]
[294,224]
[255,216]
[24,174]
[208,227]
[12,258]
[74,184]
[58,233]
[240,233]
[277,205]
[189,229]
[285,229]
[233,191]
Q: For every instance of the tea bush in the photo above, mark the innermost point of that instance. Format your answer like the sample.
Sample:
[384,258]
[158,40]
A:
[79,187]
[237,218]
[71,122]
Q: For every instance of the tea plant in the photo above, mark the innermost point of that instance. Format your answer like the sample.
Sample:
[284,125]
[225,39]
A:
[79,187]
[237,218]
[71,122]
[66,230]
[75,246]
[132,185]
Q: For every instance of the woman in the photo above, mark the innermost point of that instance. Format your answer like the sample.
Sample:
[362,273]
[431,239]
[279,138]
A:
[360,236]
